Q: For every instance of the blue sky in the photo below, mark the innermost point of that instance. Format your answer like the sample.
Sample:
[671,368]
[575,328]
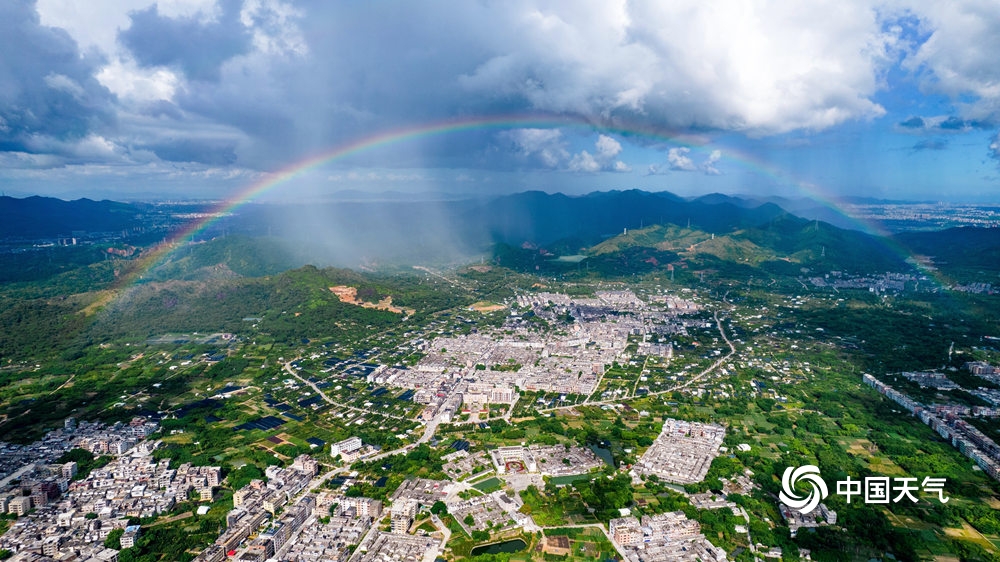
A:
[136,99]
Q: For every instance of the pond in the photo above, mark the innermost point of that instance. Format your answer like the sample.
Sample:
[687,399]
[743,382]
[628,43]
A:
[603,454]
[515,545]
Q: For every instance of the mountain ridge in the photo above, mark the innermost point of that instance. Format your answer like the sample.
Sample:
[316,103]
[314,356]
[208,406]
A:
[38,216]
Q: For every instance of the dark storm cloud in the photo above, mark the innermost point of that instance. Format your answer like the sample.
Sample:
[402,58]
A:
[330,73]
[276,136]
[953,123]
[48,95]
[938,125]
[197,47]
[210,152]
[930,144]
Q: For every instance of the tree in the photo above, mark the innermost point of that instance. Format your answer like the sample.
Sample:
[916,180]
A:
[469,520]
[114,539]
[439,508]
[607,496]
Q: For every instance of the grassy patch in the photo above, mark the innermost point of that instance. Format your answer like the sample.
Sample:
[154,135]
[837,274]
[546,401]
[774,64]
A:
[568,480]
[489,485]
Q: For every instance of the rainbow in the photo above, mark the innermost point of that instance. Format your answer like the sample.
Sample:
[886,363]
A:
[385,138]
[160,253]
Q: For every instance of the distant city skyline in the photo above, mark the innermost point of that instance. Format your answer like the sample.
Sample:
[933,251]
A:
[138,99]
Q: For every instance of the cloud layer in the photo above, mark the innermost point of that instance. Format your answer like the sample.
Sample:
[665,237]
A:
[256,84]
[50,100]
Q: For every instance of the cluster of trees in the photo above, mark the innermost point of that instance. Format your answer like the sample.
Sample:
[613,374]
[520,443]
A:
[243,255]
[44,263]
[421,462]
[893,339]
[85,461]
[240,477]
[167,542]
[606,496]
[35,328]
[293,304]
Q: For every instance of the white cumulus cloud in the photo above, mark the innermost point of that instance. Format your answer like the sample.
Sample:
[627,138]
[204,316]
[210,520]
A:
[762,67]
[608,147]
[551,149]
[708,166]
[959,58]
[547,145]
[584,162]
[132,83]
[678,159]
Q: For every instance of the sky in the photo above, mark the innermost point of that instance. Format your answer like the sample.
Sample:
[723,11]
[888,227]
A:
[174,99]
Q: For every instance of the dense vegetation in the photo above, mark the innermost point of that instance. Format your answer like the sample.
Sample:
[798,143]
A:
[67,348]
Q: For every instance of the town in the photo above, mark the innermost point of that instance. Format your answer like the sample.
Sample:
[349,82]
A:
[431,444]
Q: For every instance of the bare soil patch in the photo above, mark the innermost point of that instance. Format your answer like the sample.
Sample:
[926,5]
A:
[349,295]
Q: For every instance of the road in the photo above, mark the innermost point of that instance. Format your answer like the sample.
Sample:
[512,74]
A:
[708,370]
[290,369]
[713,366]
[444,530]
[429,430]
[452,282]
[15,475]
[746,516]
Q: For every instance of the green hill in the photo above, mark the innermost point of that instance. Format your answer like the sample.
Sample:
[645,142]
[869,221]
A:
[291,305]
[733,248]
[659,236]
[784,245]
[966,254]
[230,256]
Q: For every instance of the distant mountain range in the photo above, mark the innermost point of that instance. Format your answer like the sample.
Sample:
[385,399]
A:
[543,218]
[38,217]
[612,227]
[536,215]
[348,233]
[786,244]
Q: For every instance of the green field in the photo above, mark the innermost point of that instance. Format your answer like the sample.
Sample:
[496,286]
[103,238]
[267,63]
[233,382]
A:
[489,485]
[567,480]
